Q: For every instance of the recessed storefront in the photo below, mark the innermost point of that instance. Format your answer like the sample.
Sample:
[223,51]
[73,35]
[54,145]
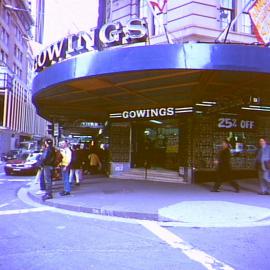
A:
[155,144]
[168,107]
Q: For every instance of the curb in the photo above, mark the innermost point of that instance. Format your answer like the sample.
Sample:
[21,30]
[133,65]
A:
[100,211]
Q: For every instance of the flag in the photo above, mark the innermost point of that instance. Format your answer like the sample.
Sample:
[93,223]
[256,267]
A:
[260,16]
[159,4]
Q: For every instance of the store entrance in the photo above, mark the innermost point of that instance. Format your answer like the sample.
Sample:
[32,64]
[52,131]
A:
[155,144]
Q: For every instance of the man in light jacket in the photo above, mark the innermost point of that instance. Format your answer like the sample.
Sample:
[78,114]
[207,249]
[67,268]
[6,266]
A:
[263,167]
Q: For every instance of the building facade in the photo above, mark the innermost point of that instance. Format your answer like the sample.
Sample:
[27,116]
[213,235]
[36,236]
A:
[18,117]
[171,85]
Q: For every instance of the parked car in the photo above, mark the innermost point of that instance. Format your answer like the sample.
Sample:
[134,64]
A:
[12,154]
[25,164]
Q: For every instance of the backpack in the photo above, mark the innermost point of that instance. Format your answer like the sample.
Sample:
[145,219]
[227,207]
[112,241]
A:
[57,158]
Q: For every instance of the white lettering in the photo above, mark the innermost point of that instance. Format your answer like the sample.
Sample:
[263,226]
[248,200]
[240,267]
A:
[132,114]
[54,51]
[70,48]
[85,41]
[125,114]
[170,111]
[41,59]
[162,112]
[154,112]
[109,34]
[141,113]
[135,29]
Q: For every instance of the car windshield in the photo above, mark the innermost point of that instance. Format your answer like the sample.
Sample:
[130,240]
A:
[32,157]
[22,156]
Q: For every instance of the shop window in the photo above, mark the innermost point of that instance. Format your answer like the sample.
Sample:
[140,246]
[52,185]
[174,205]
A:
[227,12]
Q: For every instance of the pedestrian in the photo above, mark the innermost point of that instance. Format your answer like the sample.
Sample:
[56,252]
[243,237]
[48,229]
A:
[75,165]
[94,162]
[263,167]
[47,161]
[65,167]
[224,169]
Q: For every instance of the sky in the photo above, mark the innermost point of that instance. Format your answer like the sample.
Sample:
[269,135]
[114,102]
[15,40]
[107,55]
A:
[68,16]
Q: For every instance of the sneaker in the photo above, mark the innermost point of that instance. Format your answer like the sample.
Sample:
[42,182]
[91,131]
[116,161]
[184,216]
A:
[64,193]
[77,184]
[40,192]
[215,190]
[46,197]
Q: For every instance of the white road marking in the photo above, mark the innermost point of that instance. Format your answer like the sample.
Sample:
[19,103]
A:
[16,180]
[209,262]
[4,204]
[24,211]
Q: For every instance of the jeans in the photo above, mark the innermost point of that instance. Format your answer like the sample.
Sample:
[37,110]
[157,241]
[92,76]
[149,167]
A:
[65,177]
[264,185]
[77,173]
[47,171]
[42,184]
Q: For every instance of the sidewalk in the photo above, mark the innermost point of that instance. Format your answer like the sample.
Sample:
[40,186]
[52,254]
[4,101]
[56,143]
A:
[187,205]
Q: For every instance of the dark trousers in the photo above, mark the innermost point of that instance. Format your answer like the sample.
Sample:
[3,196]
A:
[223,177]
[47,170]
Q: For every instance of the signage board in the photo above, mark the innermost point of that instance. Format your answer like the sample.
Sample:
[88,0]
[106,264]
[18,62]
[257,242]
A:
[151,113]
[235,123]
[110,34]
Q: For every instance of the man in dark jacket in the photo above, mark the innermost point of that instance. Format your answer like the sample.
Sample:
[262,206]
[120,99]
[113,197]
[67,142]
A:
[47,161]
[224,170]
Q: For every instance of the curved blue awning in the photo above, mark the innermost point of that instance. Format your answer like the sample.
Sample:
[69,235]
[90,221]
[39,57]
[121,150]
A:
[144,76]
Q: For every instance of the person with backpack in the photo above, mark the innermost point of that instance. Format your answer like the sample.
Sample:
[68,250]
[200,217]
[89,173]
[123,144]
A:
[65,167]
[47,163]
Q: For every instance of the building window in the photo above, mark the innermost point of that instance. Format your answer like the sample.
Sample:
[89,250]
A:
[227,12]
[7,17]
[4,36]
[2,101]
[247,25]
[3,57]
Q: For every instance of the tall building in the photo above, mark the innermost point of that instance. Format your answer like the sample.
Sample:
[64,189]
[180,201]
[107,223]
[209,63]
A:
[170,80]
[186,21]
[18,118]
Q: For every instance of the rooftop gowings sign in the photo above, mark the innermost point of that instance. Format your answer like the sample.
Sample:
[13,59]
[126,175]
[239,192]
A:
[110,34]
[260,15]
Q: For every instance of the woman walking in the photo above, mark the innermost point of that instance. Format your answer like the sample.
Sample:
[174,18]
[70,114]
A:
[224,169]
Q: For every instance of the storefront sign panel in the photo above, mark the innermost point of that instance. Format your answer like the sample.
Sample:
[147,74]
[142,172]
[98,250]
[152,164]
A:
[151,113]
[235,123]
